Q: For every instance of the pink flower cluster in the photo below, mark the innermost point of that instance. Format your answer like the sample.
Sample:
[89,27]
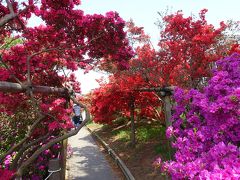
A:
[206,127]
[5,174]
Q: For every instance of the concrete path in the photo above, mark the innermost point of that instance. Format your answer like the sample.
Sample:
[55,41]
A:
[87,162]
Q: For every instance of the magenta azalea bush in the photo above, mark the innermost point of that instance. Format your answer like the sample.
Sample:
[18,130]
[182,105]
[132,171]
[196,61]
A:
[5,174]
[206,127]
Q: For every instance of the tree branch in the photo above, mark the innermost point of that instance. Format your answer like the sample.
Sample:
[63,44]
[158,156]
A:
[16,87]
[8,17]
[10,7]
[164,91]
[24,148]
[52,142]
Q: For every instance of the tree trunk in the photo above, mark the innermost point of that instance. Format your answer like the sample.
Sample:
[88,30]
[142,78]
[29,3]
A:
[133,129]
[168,115]
[64,160]
[167,110]
[64,148]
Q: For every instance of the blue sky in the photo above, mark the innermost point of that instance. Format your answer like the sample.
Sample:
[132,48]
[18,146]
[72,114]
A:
[144,13]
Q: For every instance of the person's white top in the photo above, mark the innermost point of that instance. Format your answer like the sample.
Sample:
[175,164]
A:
[77,110]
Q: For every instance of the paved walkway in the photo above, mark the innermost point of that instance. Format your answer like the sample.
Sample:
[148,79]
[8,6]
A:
[87,162]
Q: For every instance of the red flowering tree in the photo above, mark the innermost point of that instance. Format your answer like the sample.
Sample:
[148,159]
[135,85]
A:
[188,48]
[68,40]
[120,99]
[112,99]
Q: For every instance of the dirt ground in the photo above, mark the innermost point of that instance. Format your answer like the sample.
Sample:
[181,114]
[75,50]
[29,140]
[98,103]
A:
[139,160]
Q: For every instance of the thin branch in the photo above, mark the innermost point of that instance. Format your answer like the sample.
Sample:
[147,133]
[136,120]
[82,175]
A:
[17,146]
[23,149]
[163,90]
[155,109]
[65,75]
[50,115]
[6,44]
[63,49]
[37,53]
[150,42]
[10,7]
[8,17]
[35,103]
[78,103]
[23,157]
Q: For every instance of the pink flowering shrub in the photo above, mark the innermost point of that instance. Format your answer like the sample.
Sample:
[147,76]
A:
[5,174]
[39,169]
[206,127]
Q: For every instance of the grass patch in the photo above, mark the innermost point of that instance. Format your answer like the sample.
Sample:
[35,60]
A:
[123,135]
[90,122]
[94,126]
[149,132]
[143,134]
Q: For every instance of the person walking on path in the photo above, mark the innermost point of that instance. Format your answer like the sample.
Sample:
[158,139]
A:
[77,117]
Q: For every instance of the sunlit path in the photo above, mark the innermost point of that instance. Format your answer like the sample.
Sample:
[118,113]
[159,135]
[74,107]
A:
[87,162]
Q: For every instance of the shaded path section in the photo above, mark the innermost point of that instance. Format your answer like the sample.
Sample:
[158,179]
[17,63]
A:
[87,161]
